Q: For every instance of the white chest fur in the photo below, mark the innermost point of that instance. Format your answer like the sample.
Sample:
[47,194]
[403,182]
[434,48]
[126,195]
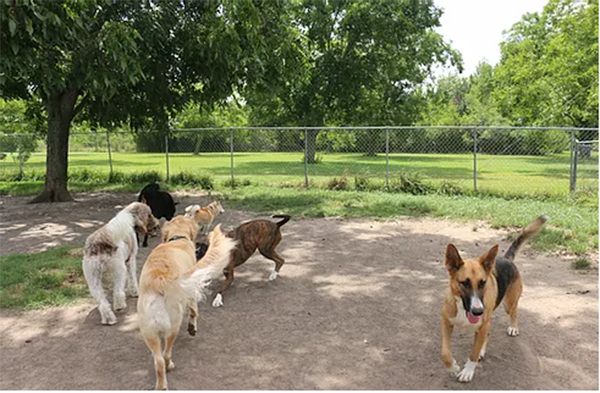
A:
[460,320]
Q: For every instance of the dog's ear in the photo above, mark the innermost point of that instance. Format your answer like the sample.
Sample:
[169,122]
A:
[453,259]
[488,259]
[144,200]
[140,217]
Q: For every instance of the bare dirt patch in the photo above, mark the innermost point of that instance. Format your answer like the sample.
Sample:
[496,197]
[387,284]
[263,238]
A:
[356,307]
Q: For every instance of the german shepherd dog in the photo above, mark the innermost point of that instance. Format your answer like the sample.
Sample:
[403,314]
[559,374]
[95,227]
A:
[477,287]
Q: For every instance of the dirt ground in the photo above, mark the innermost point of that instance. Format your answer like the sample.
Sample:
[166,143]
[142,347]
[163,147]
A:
[356,307]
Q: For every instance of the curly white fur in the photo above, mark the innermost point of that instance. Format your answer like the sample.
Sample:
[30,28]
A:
[114,246]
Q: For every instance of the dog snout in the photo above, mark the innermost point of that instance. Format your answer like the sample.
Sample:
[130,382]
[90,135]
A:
[477,311]
[476,306]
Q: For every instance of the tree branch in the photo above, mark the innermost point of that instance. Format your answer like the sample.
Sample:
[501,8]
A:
[80,106]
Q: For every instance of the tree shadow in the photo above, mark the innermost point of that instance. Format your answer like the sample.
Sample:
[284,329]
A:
[356,307]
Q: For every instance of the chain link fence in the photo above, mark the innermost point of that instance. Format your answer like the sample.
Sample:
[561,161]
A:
[500,160]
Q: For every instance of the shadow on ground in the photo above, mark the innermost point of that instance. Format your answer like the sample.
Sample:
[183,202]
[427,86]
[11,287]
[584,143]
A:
[356,308]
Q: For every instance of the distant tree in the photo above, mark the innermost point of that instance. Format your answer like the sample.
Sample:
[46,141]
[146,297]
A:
[111,62]
[548,73]
[346,62]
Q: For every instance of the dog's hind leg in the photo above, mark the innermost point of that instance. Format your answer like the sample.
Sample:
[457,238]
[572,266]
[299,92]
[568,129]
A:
[270,253]
[193,317]
[511,302]
[119,280]
[92,270]
[169,341]
[153,344]
[218,301]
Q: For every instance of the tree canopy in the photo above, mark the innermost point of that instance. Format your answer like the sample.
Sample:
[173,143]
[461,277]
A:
[110,62]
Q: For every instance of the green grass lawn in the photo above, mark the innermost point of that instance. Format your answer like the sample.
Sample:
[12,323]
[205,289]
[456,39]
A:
[508,175]
[50,278]
[571,227]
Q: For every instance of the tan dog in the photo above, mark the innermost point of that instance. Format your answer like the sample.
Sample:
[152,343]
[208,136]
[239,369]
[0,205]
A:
[115,246]
[263,235]
[172,281]
[204,216]
[477,287]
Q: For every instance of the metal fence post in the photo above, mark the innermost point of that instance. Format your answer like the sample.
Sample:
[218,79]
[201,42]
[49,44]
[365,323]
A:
[109,153]
[572,179]
[20,158]
[387,158]
[306,158]
[231,150]
[575,154]
[167,155]
[475,159]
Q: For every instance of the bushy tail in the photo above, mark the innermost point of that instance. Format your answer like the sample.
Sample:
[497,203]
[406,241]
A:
[195,280]
[530,231]
[285,217]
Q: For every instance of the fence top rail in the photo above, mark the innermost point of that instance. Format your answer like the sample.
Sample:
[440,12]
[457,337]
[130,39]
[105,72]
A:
[300,128]
[595,141]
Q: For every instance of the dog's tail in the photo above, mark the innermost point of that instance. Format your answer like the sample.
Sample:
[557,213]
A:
[530,231]
[195,280]
[285,217]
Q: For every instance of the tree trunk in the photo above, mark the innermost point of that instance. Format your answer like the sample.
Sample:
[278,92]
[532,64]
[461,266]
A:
[60,113]
[311,145]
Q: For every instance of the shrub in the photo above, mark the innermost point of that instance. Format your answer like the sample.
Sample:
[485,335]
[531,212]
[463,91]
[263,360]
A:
[237,183]
[410,183]
[192,179]
[338,184]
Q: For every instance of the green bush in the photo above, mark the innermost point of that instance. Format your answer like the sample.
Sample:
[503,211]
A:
[192,179]
[410,183]
[237,183]
[338,184]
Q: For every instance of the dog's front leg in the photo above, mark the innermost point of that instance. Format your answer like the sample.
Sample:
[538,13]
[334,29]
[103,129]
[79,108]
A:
[449,361]
[466,374]
[132,282]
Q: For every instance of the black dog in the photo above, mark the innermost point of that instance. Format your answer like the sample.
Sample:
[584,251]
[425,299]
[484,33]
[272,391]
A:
[161,203]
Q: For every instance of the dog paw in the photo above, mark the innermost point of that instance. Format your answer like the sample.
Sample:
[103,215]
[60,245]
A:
[218,302]
[170,366]
[482,354]
[466,374]
[109,319]
[120,305]
[192,330]
[454,369]
[512,331]
[273,275]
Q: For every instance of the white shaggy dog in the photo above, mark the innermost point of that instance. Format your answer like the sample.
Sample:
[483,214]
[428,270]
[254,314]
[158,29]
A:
[112,246]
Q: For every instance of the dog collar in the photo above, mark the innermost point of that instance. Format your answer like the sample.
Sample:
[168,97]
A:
[176,238]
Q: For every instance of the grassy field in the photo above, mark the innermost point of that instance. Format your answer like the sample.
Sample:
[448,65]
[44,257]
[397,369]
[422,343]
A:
[50,278]
[509,175]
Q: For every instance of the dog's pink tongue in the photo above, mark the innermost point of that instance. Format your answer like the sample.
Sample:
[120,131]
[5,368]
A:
[473,318]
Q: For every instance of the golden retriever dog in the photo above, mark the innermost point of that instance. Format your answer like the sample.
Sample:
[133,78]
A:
[115,246]
[171,281]
[204,216]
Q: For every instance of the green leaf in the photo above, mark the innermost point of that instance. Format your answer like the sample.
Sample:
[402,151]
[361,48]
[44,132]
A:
[15,47]
[12,26]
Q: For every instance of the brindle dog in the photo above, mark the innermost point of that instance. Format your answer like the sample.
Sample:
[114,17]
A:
[263,235]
